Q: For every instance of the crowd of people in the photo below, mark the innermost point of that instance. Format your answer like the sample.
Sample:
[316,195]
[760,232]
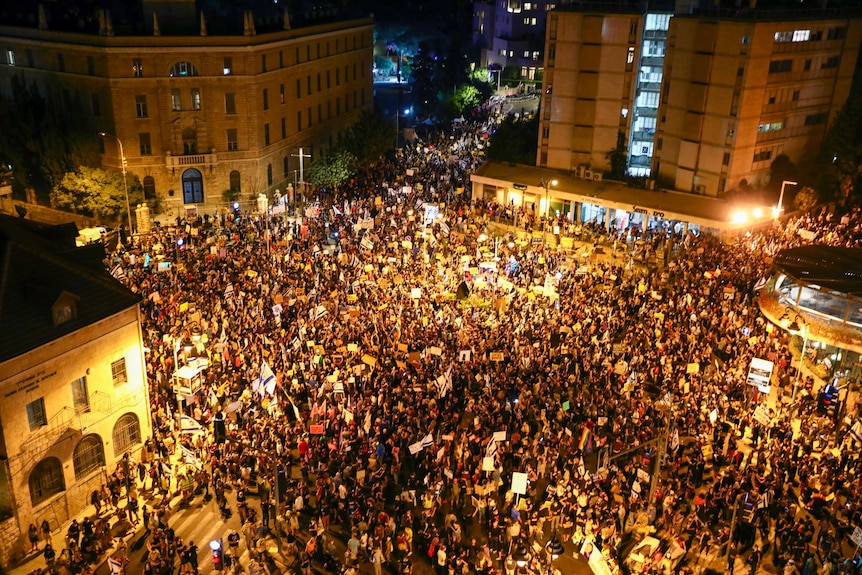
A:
[411,377]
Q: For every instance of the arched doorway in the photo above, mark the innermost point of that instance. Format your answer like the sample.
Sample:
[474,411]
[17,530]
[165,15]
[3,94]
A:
[46,480]
[127,433]
[193,187]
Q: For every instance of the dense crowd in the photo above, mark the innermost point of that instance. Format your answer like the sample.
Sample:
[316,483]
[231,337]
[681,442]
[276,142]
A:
[413,373]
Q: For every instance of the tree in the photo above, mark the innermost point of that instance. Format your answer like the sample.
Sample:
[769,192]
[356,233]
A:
[369,138]
[515,141]
[332,169]
[781,169]
[44,138]
[837,164]
[805,199]
[618,158]
[97,192]
[424,87]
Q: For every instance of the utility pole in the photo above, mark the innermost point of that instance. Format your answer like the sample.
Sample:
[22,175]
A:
[301,155]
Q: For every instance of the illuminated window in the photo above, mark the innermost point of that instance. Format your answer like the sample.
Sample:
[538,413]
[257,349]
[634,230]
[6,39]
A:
[118,371]
[10,56]
[630,55]
[183,69]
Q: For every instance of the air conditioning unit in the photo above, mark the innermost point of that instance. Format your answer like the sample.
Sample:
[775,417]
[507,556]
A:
[700,189]
[597,176]
[588,174]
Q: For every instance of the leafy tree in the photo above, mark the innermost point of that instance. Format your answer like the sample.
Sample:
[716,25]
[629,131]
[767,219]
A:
[781,168]
[515,141]
[424,86]
[618,158]
[836,166]
[332,169]
[97,192]
[44,139]
[369,138]
[805,199]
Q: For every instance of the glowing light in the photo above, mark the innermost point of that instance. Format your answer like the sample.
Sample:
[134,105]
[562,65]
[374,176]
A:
[739,217]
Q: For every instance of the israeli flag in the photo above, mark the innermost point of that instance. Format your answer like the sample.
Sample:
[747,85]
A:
[189,425]
[427,441]
[115,566]
[266,380]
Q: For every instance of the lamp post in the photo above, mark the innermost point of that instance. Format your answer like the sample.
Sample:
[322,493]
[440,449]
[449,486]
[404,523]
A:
[547,185]
[125,183]
[781,197]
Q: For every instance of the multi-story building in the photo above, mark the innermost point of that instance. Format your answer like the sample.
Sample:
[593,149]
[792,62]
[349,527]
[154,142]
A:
[701,102]
[510,33]
[73,387]
[196,114]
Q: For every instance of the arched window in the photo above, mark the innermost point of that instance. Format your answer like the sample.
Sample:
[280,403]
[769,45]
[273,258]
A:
[183,69]
[127,433]
[235,185]
[46,480]
[286,164]
[269,174]
[89,455]
[193,187]
[149,188]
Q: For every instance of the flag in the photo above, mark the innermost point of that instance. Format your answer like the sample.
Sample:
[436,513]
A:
[266,379]
[761,283]
[491,450]
[354,261]
[366,243]
[674,440]
[315,250]
[320,312]
[444,227]
[586,442]
[336,212]
[444,383]
[296,342]
[189,425]
[228,292]
[856,430]
[355,286]
[115,566]
[118,273]
[763,503]
[427,441]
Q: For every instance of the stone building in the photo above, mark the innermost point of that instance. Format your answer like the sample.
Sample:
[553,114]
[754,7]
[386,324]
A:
[194,114]
[73,387]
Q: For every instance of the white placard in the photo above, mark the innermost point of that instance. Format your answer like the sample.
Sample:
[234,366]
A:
[759,372]
[519,483]
[499,436]
[487,464]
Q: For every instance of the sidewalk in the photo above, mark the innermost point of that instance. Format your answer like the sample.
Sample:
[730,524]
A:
[36,560]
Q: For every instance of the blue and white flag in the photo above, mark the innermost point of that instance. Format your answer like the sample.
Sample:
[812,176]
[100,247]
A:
[320,312]
[366,243]
[189,425]
[266,380]
[115,566]
[761,283]
[427,441]
[228,292]
[444,227]
[118,273]
[856,430]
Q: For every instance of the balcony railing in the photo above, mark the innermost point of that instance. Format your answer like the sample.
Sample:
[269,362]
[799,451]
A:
[185,160]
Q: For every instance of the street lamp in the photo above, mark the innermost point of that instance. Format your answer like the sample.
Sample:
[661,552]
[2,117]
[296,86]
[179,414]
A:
[125,183]
[555,549]
[547,185]
[781,197]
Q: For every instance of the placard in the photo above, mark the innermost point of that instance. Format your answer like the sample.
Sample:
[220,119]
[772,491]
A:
[416,293]
[692,368]
[519,483]
[487,464]
[856,537]
[368,360]
[316,429]
[500,435]
[497,356]
[759,372]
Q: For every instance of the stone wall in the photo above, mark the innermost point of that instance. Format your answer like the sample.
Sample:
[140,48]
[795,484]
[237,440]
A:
[11,542]
[48,215]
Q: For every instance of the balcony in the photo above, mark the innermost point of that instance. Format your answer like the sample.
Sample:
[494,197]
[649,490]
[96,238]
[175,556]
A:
[643,136]
[190,160]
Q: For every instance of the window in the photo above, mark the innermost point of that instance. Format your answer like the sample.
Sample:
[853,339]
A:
[778,66]
[773,127]
[28,53]
[126,434]
[149,194]
[337,77]
[61,62]
[283,128]
[176,101]
[266,134]
[36,413]
[46,480]
[763,156]
[281,91]
[299,120]
[285,164]
[726,159]
[263,62]
[80,397]
[298,89]
[235,184]
[795,96]
[546,132]
[536,54]
[227,68]
[265,99]
[232,143]
[89,455]
[831,62]
[91,66]
[793,36]
[182,69]
[836,33]
[141,106]
[146,147]
[269,174]
[137,68]
[230,103]
[280,59]
[95,105]
[10,56]
[814,119]
[196,99]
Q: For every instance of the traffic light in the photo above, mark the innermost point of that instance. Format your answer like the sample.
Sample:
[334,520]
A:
[828,403]
[218,554]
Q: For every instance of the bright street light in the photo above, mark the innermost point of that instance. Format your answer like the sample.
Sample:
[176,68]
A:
[781,197]
[125,183]
[547,184]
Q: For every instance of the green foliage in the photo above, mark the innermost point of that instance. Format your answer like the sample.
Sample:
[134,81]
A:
[369,138]
[231,195]
[467,96]
[43,139]
[515,141]
[97,192]
[836,166]
[805,199]
[332,169]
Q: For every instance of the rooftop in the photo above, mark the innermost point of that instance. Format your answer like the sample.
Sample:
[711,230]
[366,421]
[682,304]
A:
[834,269]
[40,268]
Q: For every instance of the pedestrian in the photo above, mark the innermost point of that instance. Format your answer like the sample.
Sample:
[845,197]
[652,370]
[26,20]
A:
[33,536]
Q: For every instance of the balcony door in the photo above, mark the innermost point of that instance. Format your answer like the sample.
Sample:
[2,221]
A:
[193,187]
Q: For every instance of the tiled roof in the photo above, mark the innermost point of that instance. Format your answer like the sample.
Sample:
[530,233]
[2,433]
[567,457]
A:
[38,263]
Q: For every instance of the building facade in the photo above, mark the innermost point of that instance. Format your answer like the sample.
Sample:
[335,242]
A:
[701,102]
[73,387]
[510,33]
[197,115]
